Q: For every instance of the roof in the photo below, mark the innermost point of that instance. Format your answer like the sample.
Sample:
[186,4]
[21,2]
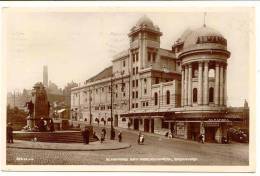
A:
[106,73]
[190,37]
[144,20]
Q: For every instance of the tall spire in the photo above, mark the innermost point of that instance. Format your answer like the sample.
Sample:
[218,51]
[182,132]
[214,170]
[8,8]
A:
[205,14]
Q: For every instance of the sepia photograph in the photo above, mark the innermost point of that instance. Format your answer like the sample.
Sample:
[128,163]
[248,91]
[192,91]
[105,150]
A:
[129,88]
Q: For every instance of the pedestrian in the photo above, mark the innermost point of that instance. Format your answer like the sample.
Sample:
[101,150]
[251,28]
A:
[105,132]
[120,136]
[140,138]
[9,132]
[170,134]
[202,138]
[102,138]
[83,133]
[51,124]
[87,135]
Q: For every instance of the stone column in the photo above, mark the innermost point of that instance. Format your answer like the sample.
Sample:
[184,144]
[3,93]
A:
[206,84]
[216,89]
[225,85]
[190,85]
[200,84]
[140,51]
[186,85]
[182,87]
[221,91]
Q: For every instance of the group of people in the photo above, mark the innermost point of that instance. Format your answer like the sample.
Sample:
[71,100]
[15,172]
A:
[86,135]
[45,125]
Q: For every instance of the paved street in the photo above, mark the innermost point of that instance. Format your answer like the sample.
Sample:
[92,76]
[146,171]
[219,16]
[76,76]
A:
[157,150]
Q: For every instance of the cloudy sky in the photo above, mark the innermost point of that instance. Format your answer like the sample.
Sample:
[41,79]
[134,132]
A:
[78,44]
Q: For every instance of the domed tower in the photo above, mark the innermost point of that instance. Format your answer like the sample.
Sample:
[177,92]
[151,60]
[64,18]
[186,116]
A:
[203,55]
[144,41]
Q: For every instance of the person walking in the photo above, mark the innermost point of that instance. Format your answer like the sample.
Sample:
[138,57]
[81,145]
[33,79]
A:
[87,134]
[83,133]
[102,137]
[9,132]
[105,132]
[120,136]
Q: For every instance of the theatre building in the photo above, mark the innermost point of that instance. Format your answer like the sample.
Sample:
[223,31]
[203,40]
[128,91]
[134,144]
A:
[156,90]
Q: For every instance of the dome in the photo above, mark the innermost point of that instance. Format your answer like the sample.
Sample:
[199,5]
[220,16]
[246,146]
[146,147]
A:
[144,20]
[190,37]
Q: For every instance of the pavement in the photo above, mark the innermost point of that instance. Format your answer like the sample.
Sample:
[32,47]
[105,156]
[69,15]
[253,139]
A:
[157,150]
[92,146]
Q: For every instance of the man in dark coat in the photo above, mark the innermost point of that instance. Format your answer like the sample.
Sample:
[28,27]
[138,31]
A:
[9,133]
[85,134]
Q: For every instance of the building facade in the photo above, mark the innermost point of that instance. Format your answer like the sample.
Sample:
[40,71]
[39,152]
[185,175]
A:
[156,90]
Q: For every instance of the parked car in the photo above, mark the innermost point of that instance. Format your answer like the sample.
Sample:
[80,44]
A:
[239,135]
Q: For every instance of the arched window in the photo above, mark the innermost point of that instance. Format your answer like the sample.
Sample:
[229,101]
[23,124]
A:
[168,97]
[211,73]
[211,94]
[195,95]
[155,98]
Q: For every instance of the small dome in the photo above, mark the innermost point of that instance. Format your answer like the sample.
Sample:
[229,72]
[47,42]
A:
[144,20]
[190,37]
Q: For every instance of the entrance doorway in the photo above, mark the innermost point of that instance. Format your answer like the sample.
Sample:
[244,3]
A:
[194,131]
[152,125]
[210,134]
[146,125]
[136,124]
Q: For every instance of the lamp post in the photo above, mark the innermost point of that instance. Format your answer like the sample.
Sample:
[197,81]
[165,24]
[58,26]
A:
[112,133]
[90,114]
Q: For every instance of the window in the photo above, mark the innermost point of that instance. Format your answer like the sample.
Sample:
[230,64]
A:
[165,124]
[156,80]
[144,80]
[136,94]
[136,57]
[149,57]
[168,97]
[136,83]
[133,71]
[133,94]
[136,70]
[133,57]
[154,57]
[143,104]
[133,83]
[124,94]
[147,103]
[116,95]
[195,95]
[155,98]
[123,63]
[211,94]
[123,87]
[133,105]
[123,119]
[145,91]
[136,105]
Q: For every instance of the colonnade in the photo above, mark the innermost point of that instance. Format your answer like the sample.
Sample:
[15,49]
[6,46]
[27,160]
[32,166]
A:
[203,84]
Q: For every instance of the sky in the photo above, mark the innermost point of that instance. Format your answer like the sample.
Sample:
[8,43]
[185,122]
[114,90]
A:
[76,45]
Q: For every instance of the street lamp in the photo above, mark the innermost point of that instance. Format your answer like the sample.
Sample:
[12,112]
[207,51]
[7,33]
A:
[112,133]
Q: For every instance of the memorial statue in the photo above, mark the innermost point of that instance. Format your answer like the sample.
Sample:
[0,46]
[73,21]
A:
[38,110]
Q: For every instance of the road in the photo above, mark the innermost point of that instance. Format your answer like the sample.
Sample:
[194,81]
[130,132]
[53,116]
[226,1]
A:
[157,150]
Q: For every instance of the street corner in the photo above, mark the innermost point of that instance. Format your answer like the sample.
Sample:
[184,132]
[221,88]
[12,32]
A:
[92,146]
